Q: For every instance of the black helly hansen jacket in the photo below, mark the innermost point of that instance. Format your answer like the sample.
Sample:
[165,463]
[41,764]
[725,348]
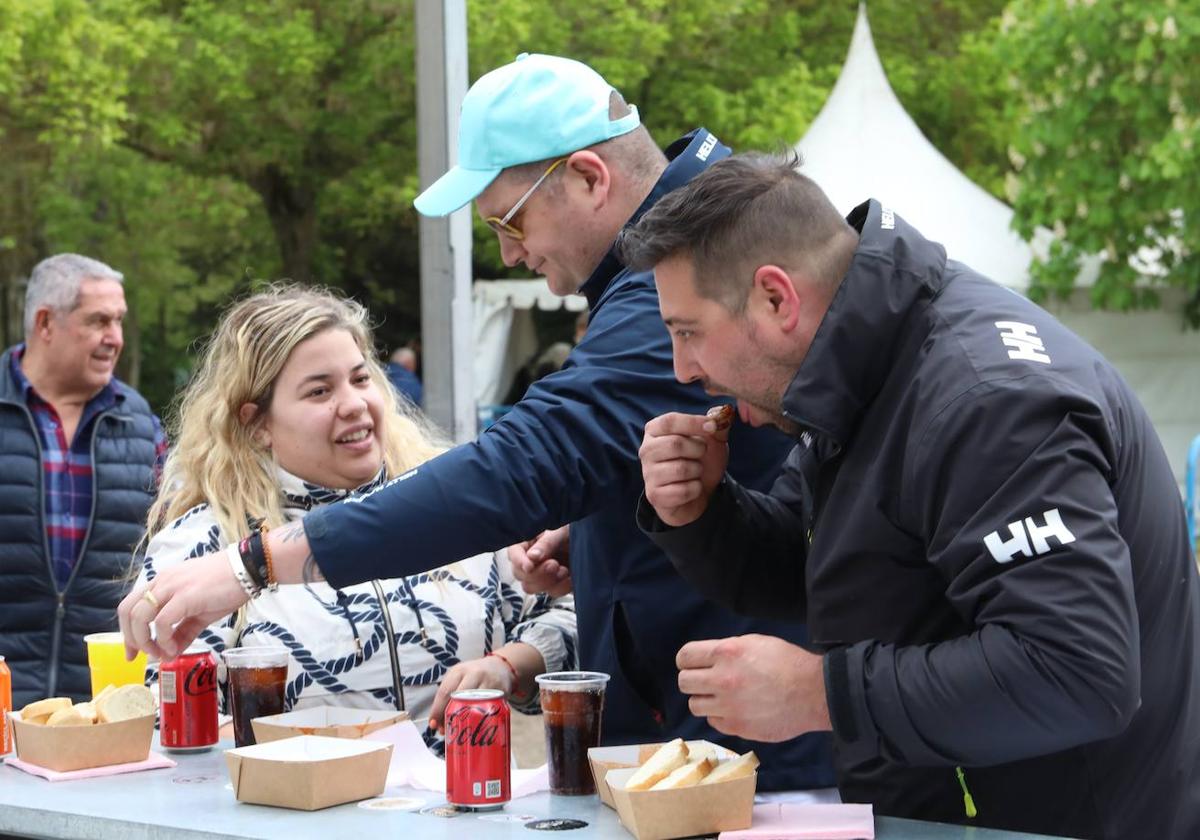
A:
[983,533]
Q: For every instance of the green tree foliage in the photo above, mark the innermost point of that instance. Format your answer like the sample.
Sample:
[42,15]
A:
[200,145]
[1107,113]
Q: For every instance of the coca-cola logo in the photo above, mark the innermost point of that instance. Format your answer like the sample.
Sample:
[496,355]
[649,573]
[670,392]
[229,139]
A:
[201,679]
[480,732]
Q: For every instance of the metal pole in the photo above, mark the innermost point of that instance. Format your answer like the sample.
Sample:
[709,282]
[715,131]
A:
[446,337]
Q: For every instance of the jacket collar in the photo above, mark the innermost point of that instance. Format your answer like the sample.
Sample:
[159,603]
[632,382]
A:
[893,270]
[300,496]
[689,156]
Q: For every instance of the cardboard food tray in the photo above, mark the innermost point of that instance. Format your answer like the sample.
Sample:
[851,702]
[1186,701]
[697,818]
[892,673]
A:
[683,812]
[308,772]
[327,721]
[603,759]
[66,748]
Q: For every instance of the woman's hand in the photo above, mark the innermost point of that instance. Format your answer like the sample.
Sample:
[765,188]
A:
[181,602]
[484,672]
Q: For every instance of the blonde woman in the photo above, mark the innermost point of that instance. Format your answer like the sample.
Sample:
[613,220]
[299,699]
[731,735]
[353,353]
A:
[288,411]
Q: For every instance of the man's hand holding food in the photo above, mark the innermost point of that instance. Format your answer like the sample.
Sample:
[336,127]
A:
[683,460]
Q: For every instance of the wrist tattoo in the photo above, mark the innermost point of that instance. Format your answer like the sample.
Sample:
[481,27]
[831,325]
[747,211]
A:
[311,573]
[292,533]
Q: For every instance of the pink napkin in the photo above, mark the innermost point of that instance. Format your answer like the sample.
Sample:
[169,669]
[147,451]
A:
[154,762]
[789,821]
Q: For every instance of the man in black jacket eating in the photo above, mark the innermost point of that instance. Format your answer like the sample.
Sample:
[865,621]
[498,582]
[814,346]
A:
[978,522]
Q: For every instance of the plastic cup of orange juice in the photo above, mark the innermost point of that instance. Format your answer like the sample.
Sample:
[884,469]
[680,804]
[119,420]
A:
[106,659]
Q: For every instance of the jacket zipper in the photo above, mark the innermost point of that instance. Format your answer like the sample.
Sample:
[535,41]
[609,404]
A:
[968,801]
[60,611]
[59,595]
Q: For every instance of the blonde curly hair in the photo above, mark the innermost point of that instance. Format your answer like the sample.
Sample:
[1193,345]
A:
[214,458]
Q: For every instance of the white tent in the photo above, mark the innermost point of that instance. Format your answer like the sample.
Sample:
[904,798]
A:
[863,144]
[504,333]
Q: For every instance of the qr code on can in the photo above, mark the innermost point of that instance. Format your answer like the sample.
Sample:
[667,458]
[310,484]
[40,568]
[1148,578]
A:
[493,789]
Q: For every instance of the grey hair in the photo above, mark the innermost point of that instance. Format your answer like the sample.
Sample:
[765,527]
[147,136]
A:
[55,283]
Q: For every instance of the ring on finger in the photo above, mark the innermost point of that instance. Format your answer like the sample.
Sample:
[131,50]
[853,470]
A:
[148,596]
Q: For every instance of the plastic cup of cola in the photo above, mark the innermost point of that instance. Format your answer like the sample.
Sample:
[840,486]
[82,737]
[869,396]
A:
[572,707]
[257,684]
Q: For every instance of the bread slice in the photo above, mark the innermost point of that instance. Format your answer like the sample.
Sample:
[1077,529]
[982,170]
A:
[734,768]
[45,708]
[87,710]
[104,692]
[699,749]
[68,717]
[667,758]
[687,775]
[125,702]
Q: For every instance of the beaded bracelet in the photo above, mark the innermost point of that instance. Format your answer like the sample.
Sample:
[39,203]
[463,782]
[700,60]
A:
[272,581]
[516,692]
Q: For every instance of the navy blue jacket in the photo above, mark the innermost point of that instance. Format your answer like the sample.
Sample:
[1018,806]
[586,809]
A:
[983,532]
[567,452]
[41,626]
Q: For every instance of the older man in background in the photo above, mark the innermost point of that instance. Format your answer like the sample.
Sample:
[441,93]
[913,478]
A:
[78,456]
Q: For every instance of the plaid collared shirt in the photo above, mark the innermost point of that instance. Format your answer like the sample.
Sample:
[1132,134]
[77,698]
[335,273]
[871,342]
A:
[67,468]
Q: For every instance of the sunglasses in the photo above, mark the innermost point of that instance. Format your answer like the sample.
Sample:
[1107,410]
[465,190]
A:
[501,224]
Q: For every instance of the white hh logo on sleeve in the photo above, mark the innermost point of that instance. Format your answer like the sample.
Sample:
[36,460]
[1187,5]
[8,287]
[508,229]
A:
[887,219]
[706,147]
[1028,538]
[1023,338]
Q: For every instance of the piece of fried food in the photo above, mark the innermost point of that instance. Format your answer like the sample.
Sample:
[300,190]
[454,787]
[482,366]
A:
[722,416]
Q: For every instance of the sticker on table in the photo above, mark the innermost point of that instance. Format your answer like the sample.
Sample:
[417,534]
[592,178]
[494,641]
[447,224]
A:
[392,803]
[556,824]
[445,811]
[508,818]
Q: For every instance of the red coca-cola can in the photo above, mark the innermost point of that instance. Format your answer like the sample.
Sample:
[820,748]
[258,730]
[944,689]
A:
[187,690]
[477,749]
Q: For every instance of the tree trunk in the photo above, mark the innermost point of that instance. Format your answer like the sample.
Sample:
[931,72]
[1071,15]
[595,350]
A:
[293,214]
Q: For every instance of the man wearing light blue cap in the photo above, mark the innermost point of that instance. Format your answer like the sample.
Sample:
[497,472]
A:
[558,164]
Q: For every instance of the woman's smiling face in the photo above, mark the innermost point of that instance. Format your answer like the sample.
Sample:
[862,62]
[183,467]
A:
[325,412]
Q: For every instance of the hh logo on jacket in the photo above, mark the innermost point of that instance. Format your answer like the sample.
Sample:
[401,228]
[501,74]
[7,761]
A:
[1028,538]
[1023,338]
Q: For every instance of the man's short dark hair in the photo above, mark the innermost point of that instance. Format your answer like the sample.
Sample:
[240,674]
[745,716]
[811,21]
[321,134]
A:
[743,212]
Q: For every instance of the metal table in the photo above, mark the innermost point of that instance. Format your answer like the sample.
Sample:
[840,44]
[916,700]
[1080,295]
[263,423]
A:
[194,801]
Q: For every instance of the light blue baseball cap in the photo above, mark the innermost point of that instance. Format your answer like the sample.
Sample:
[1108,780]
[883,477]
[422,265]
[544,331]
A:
[537,107]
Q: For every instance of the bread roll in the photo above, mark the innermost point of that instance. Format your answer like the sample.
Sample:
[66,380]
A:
[687,775]
[87,710]
[45,708]
[735,768]
[660,765]
[68,717]
[123,703]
